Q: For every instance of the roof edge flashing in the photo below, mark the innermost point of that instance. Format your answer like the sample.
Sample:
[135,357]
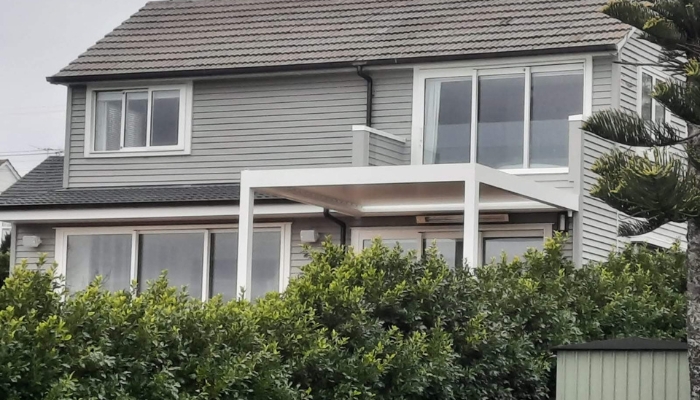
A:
[220,72]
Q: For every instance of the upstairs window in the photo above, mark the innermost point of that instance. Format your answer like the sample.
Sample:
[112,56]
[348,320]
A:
[508,118]
[650,109]
[138,120]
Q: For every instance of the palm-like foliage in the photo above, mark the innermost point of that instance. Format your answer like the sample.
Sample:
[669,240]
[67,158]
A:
[663,188]
[659,186]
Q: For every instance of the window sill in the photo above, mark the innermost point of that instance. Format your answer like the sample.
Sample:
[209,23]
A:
[137,153]
[537,171]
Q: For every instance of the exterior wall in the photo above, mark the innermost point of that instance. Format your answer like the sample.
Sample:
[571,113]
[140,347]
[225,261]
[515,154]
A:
[637,50]
[47,246]
[323,227]
[622,375]
[276,122]
[385,151]
[599,221]
[7,179]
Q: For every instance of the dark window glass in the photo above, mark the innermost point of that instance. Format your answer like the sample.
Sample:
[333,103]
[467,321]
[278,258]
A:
[555,97]
[500,128]
[447,133]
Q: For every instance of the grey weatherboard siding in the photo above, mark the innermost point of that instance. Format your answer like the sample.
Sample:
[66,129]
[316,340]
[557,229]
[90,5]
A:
[266,122]
[305,121]
[615,85]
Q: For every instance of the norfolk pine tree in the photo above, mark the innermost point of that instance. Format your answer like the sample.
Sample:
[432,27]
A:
[659,187]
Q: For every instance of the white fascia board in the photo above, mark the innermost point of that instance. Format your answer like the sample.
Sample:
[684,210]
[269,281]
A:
[340,176]
[151,213]
[12,169]
[527,188]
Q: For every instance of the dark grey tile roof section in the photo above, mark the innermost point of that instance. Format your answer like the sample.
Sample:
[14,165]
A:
[43,188]
[209,36]
[627,344]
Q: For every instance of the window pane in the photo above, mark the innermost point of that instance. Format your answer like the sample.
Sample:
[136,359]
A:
[266,263]
[91,255]
[224,262]
[165,117]
[647,87]
[501,121]
[513,247]
[178,253]
[136,119]
[406,244]
[555,97]
[448,109]
[451,249]
[659,112]
[108,121]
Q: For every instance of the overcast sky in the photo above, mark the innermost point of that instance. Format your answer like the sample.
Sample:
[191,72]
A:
[37,38]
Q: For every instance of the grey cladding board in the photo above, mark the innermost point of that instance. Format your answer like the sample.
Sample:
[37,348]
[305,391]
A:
[386,151]
[638,51]
[48,245]
[293,121]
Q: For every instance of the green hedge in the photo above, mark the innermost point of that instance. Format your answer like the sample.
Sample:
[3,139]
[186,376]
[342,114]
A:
[376,325]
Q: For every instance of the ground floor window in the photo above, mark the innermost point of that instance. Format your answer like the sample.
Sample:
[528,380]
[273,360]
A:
[513,240]
[204,259]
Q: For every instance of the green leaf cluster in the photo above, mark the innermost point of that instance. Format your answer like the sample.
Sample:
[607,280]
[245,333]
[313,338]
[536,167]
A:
[664,187]
[380,324]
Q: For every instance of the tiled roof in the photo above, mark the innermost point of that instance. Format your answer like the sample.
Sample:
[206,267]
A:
[627,344]
[43,187]
[233,35]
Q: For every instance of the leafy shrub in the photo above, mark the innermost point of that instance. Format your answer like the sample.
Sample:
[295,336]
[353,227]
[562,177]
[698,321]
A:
[378,325]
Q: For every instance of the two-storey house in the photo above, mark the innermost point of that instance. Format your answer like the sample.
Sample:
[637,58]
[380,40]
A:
[214,138]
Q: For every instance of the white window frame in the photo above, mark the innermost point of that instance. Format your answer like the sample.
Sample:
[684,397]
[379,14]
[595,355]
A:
[656,76]
[184,126]
[284,228]
[420,233]
[474,69]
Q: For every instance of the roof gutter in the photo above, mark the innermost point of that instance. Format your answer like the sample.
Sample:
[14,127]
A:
[211,73]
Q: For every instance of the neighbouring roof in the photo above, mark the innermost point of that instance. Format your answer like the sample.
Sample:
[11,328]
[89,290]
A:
[198,37]
[43,188]
[629,344]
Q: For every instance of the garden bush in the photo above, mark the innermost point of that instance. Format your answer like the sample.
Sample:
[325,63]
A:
[379,325]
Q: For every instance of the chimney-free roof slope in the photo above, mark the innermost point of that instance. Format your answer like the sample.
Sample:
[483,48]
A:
[181,38]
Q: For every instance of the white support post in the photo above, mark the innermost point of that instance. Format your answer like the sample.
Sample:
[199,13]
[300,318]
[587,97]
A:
[245,236]
[471,220]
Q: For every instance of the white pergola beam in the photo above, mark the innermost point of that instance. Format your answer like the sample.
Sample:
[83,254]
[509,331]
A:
[531,190]
[304,196]
[342,176]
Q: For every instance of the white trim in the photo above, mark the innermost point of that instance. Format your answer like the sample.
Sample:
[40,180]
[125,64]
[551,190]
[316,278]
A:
[185,121]
[588,86]
[359,235]
[474,69]
[152,213]
[363,128]
[12,169]
[276,181]
[656,75]
[284,228]
[537,171]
